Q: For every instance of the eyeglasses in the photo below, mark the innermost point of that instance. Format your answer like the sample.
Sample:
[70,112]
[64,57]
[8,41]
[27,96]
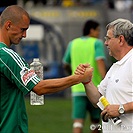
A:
[108,38]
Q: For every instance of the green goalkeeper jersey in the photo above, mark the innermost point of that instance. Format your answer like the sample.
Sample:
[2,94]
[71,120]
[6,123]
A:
[16,80]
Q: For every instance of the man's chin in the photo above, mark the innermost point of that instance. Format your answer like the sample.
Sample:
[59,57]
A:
[110,53]
[15,43]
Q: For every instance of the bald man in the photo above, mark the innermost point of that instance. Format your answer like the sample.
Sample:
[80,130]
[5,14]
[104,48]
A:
[16,77]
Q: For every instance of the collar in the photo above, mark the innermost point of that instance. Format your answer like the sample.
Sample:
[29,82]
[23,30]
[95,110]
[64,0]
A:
[3,45]
[125,58]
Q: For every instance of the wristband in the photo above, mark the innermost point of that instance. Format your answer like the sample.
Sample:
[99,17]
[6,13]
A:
[84,83]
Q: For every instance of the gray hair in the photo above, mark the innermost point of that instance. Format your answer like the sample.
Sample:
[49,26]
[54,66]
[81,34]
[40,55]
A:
[122,27]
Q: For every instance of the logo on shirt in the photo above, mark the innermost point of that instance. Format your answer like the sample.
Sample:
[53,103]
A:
[26,75]
[117,80]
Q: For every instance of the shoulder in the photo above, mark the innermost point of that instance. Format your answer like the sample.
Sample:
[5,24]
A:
[76,39]
[10,57]
[99,41]
[73,42]
[8,53]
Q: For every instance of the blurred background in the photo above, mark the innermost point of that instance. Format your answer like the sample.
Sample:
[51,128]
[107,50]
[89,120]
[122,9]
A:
[53,24]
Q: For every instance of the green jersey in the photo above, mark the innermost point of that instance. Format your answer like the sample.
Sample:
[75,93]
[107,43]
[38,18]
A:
[84,50]
[16,80]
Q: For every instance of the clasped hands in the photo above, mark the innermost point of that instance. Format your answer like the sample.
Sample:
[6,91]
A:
[86,71]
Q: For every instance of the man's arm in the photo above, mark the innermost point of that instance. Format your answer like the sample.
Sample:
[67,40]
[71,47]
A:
[128,107]
[55,85]
[112,110]
[92,93]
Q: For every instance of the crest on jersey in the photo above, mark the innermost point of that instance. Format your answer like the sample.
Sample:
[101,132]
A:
[26,75]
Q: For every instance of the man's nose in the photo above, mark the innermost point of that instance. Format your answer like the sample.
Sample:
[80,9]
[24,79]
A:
[24,34]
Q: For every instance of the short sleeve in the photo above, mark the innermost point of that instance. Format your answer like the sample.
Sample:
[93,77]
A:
[100,51]
[17,71]
[67,55]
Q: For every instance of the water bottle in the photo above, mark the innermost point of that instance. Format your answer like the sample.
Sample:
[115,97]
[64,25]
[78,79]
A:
[102,104]
[37,66]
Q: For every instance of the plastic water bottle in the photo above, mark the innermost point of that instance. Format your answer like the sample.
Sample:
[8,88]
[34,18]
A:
[37,66]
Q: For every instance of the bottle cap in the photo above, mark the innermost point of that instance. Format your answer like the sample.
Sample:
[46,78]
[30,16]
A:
[36,59]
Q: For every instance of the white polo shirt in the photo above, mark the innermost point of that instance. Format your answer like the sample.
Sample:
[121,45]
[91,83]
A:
[117,87]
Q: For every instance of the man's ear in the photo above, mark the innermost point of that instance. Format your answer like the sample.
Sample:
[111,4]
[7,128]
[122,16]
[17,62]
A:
[122,39]
[8,25]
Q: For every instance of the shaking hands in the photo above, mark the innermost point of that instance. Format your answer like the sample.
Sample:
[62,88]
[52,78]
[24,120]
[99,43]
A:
[85,70]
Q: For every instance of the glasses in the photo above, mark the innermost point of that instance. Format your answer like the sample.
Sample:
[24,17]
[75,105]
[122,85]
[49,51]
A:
[108,38]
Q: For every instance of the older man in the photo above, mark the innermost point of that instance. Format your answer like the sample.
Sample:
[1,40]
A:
[117,86]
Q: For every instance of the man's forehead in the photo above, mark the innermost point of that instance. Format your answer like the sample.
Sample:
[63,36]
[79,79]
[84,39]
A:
[109,32]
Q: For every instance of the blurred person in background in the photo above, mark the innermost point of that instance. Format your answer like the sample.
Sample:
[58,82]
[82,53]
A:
[16,78]
[85,49]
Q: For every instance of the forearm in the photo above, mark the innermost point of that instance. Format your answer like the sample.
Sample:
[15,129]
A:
[92,93]
[113,109]
[56,85]
[128,107]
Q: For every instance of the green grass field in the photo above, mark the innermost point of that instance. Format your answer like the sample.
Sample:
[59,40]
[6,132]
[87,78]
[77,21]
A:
[52,117]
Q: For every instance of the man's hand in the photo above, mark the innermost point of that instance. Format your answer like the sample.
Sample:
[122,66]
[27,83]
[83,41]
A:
[110,111]
[85,70]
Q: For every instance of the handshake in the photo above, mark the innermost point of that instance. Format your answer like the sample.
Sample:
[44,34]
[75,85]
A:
[84,71]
